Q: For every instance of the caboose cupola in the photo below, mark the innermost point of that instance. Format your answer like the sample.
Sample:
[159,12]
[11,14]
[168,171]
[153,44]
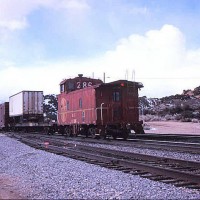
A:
[80,82]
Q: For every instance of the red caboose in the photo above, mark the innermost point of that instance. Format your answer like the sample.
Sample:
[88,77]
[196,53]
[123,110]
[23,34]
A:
[99,108]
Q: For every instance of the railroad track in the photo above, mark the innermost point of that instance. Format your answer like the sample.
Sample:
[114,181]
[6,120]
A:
[169,145]
[193,148]
[181,173]
[168,137]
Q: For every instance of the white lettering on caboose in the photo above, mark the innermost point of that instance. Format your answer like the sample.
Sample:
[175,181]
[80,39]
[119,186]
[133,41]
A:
[84,84]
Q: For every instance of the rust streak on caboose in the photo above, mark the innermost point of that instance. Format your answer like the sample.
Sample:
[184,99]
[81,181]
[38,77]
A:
[90,107]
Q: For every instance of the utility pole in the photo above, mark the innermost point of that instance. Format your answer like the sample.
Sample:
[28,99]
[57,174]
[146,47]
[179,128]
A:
[133,75]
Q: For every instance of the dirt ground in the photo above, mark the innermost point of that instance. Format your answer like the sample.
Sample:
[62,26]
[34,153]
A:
[170,127]
[7,190]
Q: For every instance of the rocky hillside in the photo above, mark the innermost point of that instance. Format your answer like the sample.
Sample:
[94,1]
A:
[184,107]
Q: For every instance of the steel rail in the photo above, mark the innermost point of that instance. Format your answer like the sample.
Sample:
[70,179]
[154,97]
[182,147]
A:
[178,146]
[193,148]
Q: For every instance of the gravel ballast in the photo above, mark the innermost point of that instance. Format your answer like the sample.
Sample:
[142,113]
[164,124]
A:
[151,151]
[43,175]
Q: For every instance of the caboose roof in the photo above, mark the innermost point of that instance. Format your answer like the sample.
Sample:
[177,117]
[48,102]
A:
[78,78]
[130,83]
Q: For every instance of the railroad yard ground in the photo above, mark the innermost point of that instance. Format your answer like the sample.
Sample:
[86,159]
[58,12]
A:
[7,190]
[11,187]
[7,186]
[172,127]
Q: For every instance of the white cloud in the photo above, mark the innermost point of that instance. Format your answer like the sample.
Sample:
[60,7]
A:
[138,10]
[155,47]
[159,58]
[14,13]
[14,24]
[78,5]
[193,57]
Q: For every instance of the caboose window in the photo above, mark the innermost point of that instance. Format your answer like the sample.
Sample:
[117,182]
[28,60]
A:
[67,105]
[83,116]
[62,88]
[71,86]
[80,103]
[116,96]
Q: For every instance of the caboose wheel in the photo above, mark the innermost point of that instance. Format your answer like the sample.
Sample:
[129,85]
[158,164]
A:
[67,131]
[114,136]
[46,130]
[125,135]
[92,132]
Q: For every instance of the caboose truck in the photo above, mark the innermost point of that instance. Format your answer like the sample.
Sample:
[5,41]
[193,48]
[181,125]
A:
[90,107]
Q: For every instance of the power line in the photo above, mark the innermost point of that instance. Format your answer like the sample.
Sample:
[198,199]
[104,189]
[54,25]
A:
[168,78]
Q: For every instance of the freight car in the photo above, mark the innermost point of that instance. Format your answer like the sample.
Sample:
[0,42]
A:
[26,111]
[4,116]
[90,107]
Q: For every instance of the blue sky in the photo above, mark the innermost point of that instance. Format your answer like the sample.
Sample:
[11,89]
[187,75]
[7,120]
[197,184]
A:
[153,42]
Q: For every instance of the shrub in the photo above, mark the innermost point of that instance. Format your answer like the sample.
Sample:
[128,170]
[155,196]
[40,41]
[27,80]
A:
[195,120]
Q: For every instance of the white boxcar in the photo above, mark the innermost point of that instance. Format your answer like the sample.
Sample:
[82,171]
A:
[26,103]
